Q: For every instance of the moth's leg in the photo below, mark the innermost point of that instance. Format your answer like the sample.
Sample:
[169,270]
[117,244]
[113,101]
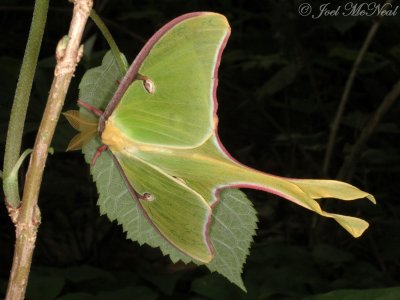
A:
[91,108]
[100,150]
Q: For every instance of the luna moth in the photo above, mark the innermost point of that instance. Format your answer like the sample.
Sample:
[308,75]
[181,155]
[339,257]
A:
[161,128]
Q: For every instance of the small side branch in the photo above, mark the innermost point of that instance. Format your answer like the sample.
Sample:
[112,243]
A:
[346,92]
[107,35]
[347,168]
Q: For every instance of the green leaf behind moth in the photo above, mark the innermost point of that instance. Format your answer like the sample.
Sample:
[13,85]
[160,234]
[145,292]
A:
[234,218]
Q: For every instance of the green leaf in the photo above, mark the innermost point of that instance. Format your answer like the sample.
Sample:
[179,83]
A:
[232,231]
[128,293]
[280,80]
[347,54]
[369,294]
[131,292]
[234,219]
[43,286]
[264,62]
[215,287]
[165,281]
[77,296]
[79,274]
[326,254]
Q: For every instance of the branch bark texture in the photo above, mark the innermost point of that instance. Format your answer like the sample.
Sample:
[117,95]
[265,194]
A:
[68,54]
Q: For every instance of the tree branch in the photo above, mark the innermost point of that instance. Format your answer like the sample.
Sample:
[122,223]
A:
[68,54]
[348,166]
[346,92]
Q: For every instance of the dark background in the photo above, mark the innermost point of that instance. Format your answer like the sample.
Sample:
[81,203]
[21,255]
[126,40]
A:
[281,79]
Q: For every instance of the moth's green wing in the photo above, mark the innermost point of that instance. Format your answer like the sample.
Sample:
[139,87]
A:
[209,168]
[178,212]
[182,63]
[230,233]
